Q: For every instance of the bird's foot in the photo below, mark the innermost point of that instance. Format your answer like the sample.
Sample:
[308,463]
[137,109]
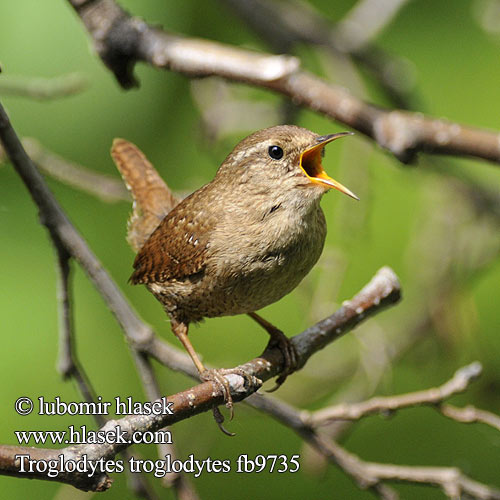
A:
[283,343]
[218,377]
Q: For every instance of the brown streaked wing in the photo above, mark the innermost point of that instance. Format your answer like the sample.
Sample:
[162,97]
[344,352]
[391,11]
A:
[177,247]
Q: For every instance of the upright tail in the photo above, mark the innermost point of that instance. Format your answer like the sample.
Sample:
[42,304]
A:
[152,197]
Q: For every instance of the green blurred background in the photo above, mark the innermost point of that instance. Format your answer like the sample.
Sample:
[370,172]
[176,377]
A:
[424,221]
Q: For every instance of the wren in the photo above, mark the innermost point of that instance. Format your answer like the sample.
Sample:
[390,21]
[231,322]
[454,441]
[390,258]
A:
[237,244]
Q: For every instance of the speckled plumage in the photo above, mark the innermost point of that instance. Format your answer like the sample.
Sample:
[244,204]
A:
[237,244]
[242,241]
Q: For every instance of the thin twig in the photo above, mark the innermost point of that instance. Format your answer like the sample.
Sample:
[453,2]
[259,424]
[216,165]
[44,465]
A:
[389,404]
[104,187]
[469,414]
[285,24]
[454,483]
[370,474]
[122,40]
[69,366]
[43,88]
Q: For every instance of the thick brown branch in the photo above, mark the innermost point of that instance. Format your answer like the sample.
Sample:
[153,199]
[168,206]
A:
[381,291]
[11,466]
[122,40]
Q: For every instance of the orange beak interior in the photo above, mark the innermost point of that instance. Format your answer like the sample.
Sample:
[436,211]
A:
[310,162]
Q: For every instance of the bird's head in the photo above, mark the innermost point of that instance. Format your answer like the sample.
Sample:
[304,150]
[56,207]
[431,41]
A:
[284,158]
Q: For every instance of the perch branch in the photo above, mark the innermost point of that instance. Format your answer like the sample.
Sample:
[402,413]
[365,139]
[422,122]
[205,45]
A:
[381,291]
[102,186]
[69,242]
[122,40]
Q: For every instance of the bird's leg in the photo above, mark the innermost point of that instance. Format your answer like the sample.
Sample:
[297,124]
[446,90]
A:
[280,340]
[181,332]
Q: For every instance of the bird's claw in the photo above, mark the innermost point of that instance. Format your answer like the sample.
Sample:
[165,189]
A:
[283,343]
[218,377]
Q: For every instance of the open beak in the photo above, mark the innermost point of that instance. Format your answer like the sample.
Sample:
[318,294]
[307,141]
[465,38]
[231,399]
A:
[310,163]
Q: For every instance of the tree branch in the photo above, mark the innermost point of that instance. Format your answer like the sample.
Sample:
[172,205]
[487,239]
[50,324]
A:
[43,88]
[469,415]
[284,25]
[69,243]
[122,40]
[383,290]
[371,474]
[104,187]
[354,411]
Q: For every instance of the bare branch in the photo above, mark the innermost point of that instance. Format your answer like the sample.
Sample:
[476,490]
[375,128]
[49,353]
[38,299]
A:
[451,480]
[121,41]
[70,243]
[43,88]
[383,290]
[469,414]
[284,24]
[69,366]
[354,411]
[104,187]
[370,474]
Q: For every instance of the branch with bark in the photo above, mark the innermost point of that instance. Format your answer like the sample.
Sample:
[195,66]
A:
[453,482]
[285,24]
[383,290]
[122,40]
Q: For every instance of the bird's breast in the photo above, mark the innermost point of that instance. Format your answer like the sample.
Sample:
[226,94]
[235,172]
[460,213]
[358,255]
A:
[268,258]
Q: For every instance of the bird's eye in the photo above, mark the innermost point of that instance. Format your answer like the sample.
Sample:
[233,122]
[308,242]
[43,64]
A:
[275,152]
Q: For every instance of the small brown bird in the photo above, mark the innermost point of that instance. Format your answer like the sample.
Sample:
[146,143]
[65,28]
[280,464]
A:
[237,244]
